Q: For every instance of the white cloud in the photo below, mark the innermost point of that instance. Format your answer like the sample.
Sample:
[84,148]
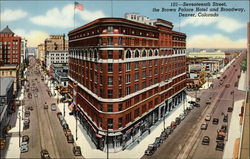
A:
[214,41]
[64,18]
[12,15]
[223,23]
[34,37]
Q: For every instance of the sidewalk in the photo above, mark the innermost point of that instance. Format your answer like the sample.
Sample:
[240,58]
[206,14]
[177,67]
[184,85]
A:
[235,127]
[134,151]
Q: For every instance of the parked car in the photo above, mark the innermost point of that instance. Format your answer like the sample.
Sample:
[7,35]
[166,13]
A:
[25,138]
[70,139]
[215,121]
[205,140]
[30,108]
[173,125]
[225,119]
[77,151]
[67,132]
[150,150]
[204,126]
[229,109]
[24,147]
[224,128]
[177,120]
[53,107]
[27,113]
[191,102]
[220,137]
[182,116]
[157,143]
[208,117]
[164,135]
[45,154]
[220,146]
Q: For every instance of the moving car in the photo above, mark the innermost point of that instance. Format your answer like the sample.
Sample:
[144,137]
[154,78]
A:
[53,107]
[220,146]
[150,150]
[77,151]
[205,140]
[224,128]
[45,154]
[229,109]
[24,147]
[45,106]
[25,138]
[225,119]
[204,126]
[215,121]
[27,113]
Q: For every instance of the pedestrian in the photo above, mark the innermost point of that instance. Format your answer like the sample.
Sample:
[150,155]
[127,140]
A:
[148,131]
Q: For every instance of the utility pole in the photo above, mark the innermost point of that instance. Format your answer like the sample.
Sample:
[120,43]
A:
[19,117]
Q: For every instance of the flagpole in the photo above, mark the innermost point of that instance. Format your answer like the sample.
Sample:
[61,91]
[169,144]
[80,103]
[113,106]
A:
[74,13]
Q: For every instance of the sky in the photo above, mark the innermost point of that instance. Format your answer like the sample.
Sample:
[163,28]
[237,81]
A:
[36,20]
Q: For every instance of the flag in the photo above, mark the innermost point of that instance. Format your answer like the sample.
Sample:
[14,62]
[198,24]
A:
[78,6]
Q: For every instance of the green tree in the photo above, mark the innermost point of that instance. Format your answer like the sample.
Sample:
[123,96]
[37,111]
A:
[244,64]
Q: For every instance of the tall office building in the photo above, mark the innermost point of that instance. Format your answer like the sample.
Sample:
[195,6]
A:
[124,76]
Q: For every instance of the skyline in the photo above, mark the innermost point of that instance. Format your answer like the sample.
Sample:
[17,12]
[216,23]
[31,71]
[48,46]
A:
[32,19]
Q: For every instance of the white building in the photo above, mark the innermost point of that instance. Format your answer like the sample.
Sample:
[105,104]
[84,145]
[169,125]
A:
[23,50]
[55,57]
[138,18]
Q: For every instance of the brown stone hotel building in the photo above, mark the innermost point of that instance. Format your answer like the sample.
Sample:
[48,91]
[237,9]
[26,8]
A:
[124,76]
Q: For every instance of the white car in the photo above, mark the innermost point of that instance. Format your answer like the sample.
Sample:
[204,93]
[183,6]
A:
[208,117]
[53,107]
[24,147]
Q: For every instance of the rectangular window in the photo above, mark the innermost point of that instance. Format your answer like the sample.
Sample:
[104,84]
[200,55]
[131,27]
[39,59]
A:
[110,93]
[110,81]
[110,54]
[156,62]
[120,54]
[136,65]
[127,90]
[110,107]
[136,87]
[120,67]
[156,71]
[120,122]
[143,74]
[120,93]
[143,85]
[110,40]
[120,80]
[128,78]
[110,67]
[136,76]
[110,29]
[101,107]
[110,123]
[150,73]
[150,63]
[120,107]
[127,66]
[144,64]
[120,41]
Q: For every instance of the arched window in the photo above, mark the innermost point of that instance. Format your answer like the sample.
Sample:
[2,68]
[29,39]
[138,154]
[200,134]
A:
[90,54]
[137,54]
[156,52]
[144,53]
[86,54]
[128,54]
[150,53]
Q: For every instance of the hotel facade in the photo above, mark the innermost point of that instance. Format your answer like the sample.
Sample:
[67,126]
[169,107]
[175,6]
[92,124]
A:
[125,76]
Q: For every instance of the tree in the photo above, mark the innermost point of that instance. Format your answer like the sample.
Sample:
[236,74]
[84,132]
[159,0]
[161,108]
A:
[244,64]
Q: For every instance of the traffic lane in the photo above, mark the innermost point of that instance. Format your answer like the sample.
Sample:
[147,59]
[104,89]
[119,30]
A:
[181,134]
[60,139]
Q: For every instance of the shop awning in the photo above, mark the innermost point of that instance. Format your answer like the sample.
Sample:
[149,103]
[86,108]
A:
[98,135]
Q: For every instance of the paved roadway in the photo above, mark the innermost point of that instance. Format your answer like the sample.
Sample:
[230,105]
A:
[185,141]
[45,131]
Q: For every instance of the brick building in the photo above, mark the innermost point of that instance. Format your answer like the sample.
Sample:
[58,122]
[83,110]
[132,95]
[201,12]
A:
[124,76]
[10,47]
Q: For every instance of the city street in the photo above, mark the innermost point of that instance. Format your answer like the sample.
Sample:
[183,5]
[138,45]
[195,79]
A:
[45,131]
[185,142]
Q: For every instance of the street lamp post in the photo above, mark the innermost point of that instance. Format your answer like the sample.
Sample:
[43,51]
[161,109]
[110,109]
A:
[107,140]
[19,117]
[76,123]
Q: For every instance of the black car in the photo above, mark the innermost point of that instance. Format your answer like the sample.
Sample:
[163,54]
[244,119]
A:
[177,120]
[204,126]
[192,102]
[25,138]
[27,113]
[220,137]
[77,151]
[224,128]
[45,154]
[220,146]
[70,139]
[215,121]
[205,140]
[157,142]
[196,105]
[225,119]
[229,109]
[150,150]
[164,135]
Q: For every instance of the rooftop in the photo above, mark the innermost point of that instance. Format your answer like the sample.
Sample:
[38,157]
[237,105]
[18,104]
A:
[7,30]
[5,83]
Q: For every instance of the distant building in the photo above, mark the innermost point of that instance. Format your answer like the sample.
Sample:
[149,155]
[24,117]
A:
[204,54]
[124,77]
[32,51]
[60,73]
[56,57]
[10,47]
[24,51]
[141,19]
[41,53]
[55,49]
[6,102]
